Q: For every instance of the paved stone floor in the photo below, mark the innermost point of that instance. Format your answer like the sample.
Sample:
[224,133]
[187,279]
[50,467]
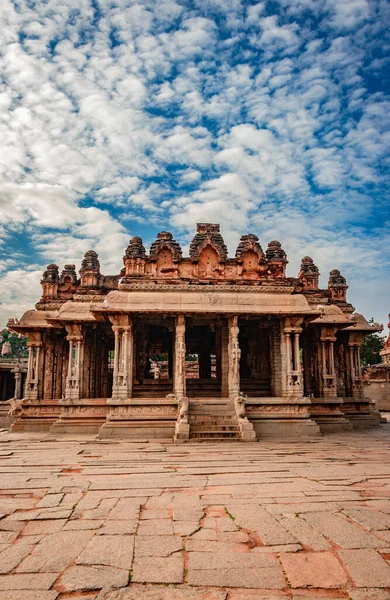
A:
[87,519]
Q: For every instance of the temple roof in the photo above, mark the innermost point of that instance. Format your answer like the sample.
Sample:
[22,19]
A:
[360,323]
[32,319]
[196,301]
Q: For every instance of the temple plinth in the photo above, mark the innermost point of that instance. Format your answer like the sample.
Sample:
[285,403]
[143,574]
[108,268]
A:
[196,347]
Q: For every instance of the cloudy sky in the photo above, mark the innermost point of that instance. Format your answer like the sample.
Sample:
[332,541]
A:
[122,118]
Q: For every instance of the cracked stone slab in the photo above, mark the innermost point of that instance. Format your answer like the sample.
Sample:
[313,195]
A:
[55,552]
[341,531]
[169,569]
[160,545]
[170,592]
[257,519]
[109,550]
[366,567]
[34,581]
[314,569]
[83,578]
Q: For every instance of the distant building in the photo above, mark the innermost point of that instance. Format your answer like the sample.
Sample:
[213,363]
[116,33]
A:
[267,355]
[377,379]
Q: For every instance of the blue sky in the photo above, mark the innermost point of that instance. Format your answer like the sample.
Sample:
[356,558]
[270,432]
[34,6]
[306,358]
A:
[121,118]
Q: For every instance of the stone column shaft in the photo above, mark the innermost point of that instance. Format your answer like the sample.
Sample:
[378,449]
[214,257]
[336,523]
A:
[328,373]
[75,363]
[234,358]
[292,380]
[123,362]
[33,368]
[180,358]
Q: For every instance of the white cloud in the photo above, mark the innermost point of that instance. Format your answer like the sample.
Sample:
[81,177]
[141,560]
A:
[152,112]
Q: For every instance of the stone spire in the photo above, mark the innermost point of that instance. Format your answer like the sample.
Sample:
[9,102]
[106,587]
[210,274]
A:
[247,243]
[135,249]
[309,274]
[90,269]
[277,259]
[165,240]
[337,286]
[208,233]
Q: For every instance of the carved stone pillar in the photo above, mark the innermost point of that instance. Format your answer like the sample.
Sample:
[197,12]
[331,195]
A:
[74,377]
[224,359]
[180,358]
[327,366]
[34,368]
[18,382]
[354,344]
[123,358]
[292,379]
[234,353]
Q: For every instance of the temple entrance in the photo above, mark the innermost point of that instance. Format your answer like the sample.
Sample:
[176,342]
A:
[153,366]
[255,363]
[203,359]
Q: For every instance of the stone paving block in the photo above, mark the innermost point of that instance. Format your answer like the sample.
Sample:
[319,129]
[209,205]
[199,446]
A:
[155,527]
[43,527]
[160,545]
[369,594]
[10,558]
[102,511]
[236,594]
[35,581]
[126,509]
[37,595]
[268,578]
[169,569]
[340,531]
[55,552]
[7,537]
[112,527]
[366,567]
[109,550]
[77,524]
[283,548]
[299,507]
[370,519]
[183,514]
[80,578]
[203,561]
[169,592]
[230,536]
[156,514]
[257,519]
[185,527]
[315,569]
[49,514]
[9,525]
[216,547]
[50,500]
[306,534]
[205,534]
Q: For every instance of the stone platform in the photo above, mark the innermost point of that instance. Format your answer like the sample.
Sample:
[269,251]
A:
[90,519]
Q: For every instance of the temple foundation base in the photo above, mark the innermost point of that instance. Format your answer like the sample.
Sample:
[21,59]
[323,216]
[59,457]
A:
[281,418]
[81,416]
[141,419]
[360,413]
[282,429]
[328,415]
[37,415]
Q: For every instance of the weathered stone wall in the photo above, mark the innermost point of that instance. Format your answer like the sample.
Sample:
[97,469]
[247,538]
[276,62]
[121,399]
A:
[377,385]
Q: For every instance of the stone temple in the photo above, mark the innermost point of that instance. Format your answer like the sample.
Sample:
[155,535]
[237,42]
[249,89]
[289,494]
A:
[193,347]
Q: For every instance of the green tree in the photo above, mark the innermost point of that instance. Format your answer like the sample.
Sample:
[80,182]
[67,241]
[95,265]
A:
[372,344]
[18,344]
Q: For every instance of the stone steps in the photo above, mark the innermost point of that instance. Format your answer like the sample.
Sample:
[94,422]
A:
[213,419]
